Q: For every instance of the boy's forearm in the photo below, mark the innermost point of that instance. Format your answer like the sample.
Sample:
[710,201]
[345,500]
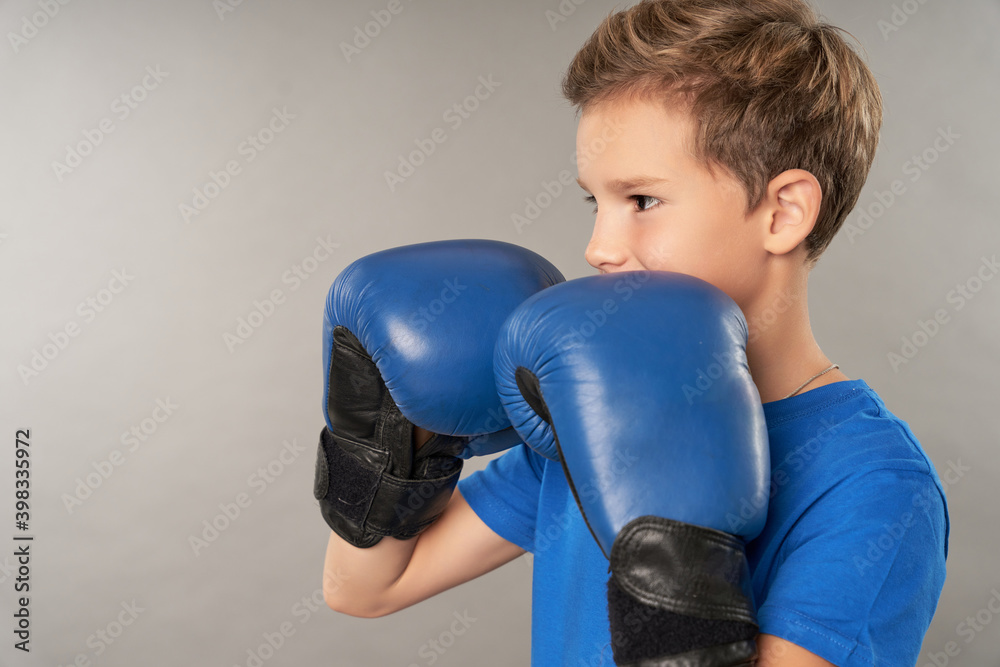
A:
[357,581]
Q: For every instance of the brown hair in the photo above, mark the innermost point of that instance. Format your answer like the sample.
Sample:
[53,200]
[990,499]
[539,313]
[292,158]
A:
[769,86]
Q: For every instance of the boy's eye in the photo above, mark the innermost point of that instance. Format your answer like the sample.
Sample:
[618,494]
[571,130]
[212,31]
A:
[640,200]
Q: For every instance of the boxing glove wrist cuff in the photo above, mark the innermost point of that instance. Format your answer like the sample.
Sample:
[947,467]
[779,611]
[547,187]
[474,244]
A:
[680,594]
[363,503]
[727,655]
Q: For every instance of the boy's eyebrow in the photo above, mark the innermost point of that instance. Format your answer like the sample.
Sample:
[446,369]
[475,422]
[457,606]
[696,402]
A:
[633,183]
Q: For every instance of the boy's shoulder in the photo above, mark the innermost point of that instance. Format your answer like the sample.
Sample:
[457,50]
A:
[845,425]
[857,529]
[839,451]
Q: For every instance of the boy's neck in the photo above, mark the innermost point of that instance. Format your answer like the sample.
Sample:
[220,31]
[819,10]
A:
[782,351]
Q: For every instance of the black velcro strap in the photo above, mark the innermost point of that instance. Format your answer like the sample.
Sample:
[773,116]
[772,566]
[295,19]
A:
[644,636]
[679,596]
[684,568]
[363,503]
[345,487]
[404,507]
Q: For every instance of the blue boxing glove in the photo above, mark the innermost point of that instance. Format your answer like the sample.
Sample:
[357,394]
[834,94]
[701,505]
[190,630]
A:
[408,341]
[602,364]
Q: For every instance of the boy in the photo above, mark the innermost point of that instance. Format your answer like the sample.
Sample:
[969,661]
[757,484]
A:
[726,140]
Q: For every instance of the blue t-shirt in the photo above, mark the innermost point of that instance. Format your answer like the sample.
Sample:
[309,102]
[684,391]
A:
[850,564]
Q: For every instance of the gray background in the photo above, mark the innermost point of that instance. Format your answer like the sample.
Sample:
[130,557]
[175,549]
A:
[162,336]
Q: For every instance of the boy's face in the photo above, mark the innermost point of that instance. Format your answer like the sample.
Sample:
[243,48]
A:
[689,221]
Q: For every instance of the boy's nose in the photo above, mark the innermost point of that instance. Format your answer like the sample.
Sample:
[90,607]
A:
[605,252]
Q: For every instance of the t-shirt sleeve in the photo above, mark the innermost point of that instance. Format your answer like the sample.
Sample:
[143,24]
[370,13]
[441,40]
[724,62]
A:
[505,495]
[862,570]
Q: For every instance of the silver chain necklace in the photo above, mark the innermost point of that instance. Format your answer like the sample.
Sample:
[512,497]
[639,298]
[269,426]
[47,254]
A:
[802,386]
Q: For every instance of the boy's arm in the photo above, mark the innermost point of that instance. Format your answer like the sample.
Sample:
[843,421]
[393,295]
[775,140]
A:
[395,574]
[827,592]
[777,652]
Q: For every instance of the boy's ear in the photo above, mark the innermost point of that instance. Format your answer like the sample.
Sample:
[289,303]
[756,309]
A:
[789,210]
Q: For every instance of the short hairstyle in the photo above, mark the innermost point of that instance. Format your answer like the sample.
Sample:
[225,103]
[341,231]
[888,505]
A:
[769,86]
